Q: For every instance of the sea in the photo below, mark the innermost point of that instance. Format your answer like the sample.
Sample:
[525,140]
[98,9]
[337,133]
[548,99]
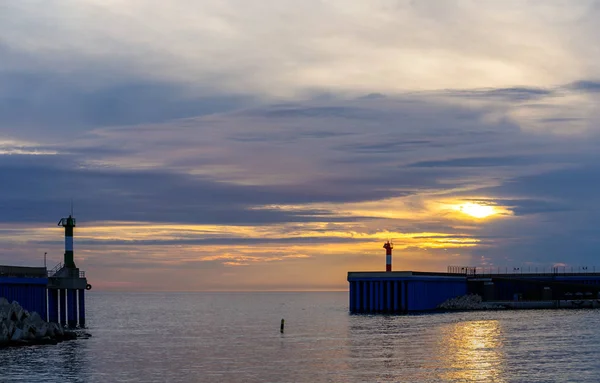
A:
[236,337]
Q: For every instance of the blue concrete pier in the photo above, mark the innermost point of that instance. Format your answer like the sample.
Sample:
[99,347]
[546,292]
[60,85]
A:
[62,297]
[57,294]
[400,292]
[67,285]
[81,298]
[26,285]
[72,308]
[53,305]
[57,298]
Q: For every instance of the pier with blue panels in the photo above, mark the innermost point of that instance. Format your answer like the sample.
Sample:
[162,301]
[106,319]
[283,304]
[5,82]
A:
[58,295]
[26,285]
[412,291]
[398,292]
[402,291]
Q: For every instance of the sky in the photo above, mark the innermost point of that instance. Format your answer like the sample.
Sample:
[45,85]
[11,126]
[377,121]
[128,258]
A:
[228,145]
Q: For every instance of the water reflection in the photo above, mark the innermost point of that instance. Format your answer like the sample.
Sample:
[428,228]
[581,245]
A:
[388,348]
[67,361]
[472,351]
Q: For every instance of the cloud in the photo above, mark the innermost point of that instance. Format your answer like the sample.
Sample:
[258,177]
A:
[338,172]
[467,162]
[585,86]
[50,106]
[229,140]
[285,49]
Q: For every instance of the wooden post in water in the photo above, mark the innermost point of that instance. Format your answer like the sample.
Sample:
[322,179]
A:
[282,325]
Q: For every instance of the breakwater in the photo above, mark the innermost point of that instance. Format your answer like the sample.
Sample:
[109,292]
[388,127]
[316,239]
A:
[413,291]
[19,327]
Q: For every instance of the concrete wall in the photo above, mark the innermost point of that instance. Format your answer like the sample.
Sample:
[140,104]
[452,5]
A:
[536,287]
[401,292]
[29,292]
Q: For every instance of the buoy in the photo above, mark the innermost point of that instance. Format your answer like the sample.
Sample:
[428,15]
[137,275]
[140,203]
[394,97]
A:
[88,287]
[282,325]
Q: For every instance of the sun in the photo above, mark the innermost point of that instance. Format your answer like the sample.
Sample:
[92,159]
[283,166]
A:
[476,210]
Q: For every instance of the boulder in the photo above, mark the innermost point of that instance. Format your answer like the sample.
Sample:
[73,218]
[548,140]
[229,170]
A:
[41,330]
[58,330]
[467,302]
[20,327]
[17,335]
[4,336]
[15,312]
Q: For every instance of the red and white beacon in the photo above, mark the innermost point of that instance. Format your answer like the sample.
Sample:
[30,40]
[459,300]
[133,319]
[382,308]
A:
[388,255]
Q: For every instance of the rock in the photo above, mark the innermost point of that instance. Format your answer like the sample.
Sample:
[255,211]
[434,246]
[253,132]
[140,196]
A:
[35,319]
[19,327]
[17,335]
[4,309]
[10,327]
[58,330]
[41,330]
[16,312]
[50,330]
[467,302]
[4,336]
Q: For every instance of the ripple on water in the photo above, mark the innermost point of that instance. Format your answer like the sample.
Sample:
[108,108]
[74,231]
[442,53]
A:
[234,337]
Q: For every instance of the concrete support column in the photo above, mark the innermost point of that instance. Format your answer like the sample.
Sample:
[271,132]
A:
[81,296]
[53,305]
[377,296]
[352,298]
[372,296]
[72,308]
[381,295]
[44,304]
[62,298]
[389,296]
[357,295]
[403,296]
[396,296]
[365,292]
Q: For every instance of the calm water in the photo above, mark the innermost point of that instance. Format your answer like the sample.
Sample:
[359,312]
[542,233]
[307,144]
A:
[234,337]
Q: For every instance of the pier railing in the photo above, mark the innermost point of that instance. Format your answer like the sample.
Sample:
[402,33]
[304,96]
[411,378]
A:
[55,270]
[529,270]
[72,273]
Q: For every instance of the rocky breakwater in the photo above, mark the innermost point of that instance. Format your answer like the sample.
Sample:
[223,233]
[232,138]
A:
[18,327]
[468,302]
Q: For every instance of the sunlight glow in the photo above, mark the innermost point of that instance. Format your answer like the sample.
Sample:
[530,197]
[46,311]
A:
[476,210]
[473,351]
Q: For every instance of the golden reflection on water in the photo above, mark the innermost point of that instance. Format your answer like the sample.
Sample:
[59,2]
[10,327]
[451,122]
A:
[472,352]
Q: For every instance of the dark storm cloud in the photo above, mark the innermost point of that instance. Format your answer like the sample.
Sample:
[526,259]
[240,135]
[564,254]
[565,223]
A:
[532,206]
[585,86]
[469,162]
[507,94]
[575,185]
[38,188]
[561,221]
[365,160]
[387,147]
[217,241]
[219,169]
[49,104]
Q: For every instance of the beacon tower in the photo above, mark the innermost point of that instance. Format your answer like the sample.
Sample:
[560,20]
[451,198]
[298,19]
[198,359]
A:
[69,224]
[67,285]
[388,246]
